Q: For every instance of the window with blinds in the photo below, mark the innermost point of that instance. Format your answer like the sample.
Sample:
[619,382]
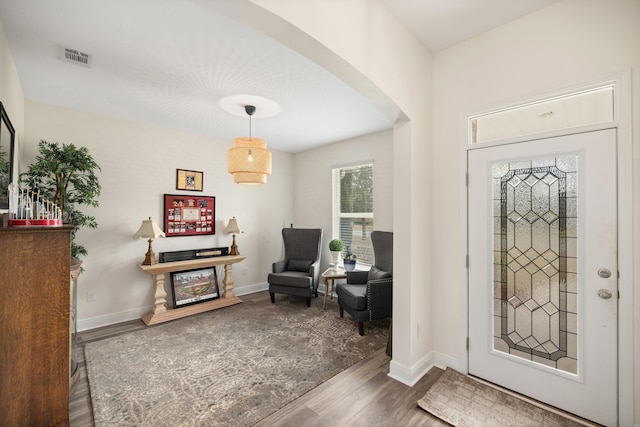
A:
[353,210]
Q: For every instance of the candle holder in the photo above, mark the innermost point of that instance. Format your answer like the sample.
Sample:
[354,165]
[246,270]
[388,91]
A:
[28,209]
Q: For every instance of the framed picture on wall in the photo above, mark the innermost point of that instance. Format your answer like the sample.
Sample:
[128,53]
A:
[189,180]
[194,286]
[186,215]
[7,148]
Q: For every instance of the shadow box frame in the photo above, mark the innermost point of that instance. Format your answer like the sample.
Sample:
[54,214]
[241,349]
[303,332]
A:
[189,215]
[200,277]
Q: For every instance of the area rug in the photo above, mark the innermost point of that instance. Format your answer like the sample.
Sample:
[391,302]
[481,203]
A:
[464,402]
[228,367]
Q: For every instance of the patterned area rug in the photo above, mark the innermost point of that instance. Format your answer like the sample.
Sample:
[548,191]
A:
[232,366]
[464,402]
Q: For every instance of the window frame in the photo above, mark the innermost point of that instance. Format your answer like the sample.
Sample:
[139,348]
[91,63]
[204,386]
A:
[337,215]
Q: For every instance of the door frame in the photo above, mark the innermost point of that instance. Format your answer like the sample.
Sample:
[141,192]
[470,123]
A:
[623,123]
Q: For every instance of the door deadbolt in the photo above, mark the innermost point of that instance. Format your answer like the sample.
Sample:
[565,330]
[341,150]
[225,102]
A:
[604,293]
[604,273]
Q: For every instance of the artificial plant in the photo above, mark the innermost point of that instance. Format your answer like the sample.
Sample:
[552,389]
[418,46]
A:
[336,245]
[66,175]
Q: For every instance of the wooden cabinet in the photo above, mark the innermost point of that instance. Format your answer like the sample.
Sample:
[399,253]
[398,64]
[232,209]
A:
[34,326]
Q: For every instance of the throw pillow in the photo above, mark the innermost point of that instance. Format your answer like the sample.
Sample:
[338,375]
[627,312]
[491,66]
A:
[375,273]
[299,265]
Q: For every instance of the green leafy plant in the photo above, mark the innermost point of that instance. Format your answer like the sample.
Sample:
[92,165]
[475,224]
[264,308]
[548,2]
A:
[66,175]
[336,245]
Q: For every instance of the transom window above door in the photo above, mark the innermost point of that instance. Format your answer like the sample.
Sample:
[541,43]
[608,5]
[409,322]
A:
[587,107]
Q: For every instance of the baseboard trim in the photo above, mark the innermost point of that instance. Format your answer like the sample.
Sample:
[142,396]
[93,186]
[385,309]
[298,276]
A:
[443,361]
[251,289]
[137,313]
[410,375]
[112,318]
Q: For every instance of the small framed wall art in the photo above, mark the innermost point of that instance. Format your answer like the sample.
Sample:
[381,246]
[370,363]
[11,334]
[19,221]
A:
[188,180]
[194,286]
[186,215]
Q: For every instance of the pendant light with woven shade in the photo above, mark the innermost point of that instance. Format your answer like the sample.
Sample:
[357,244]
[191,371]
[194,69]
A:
[248,160]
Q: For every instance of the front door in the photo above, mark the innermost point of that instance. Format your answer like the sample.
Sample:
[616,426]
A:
[543,270]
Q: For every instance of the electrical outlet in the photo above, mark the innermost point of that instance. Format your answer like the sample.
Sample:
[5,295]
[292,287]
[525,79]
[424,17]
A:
[244,271]
[91,296]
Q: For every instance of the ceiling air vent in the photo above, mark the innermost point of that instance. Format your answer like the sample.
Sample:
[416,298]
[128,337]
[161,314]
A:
[74,56]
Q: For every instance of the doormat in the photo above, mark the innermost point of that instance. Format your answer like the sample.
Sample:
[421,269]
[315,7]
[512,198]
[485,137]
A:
[464,402]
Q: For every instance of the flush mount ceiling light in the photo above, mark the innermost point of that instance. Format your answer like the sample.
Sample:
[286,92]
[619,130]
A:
[248,160]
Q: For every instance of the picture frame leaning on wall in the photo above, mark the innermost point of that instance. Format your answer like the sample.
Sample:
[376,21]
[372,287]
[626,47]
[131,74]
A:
[194,286]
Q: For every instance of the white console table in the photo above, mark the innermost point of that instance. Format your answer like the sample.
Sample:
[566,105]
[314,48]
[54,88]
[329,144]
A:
[161,313]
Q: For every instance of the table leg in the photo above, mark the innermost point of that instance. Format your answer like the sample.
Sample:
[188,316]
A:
[326,291]
[160,294]
[227,282]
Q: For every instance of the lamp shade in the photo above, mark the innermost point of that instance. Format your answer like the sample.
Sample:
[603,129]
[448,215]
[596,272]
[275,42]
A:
[149,230]
[233,227]
[249,161]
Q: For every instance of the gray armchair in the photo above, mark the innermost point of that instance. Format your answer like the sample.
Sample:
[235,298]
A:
[367,295]
[299,272]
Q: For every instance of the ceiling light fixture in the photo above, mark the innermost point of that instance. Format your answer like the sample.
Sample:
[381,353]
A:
[248,160]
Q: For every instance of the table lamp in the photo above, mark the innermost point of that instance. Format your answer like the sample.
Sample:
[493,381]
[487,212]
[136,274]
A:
[233,227]
[149,230]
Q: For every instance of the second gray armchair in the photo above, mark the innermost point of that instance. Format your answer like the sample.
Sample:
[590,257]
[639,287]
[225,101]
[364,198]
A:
[368,295]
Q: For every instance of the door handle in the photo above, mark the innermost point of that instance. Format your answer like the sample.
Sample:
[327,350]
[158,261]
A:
[605,273]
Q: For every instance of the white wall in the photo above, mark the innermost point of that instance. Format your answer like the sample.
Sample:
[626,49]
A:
[366,36]
[560,46]
[313,183]
[557,47]
[362,36]
[11,94]
[139,165]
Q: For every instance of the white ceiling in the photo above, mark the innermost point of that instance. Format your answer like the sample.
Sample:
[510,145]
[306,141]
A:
[173,62]
[443,23]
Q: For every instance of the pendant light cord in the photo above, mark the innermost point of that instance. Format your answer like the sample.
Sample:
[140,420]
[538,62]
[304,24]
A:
[250,109]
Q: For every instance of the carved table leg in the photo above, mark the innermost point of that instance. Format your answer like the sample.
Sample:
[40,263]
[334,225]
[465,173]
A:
[160,295]
[227,282]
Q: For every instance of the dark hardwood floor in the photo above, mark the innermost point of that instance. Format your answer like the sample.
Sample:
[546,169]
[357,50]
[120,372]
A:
[362,395]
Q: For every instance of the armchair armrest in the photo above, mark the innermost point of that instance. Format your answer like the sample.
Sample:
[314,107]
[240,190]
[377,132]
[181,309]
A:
[380,297]
[314,272]
[278,266]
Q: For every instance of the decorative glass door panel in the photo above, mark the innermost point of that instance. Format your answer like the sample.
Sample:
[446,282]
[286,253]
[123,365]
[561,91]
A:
[534,203]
